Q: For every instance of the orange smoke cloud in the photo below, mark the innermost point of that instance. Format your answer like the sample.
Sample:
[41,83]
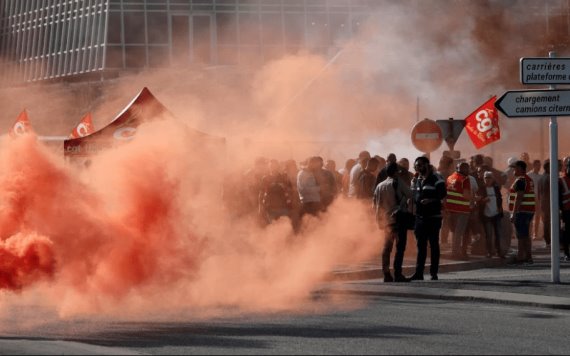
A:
[26,258]
[144,224]
[144,228]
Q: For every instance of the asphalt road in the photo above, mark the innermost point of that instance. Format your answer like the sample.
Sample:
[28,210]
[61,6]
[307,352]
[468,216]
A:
[381,325]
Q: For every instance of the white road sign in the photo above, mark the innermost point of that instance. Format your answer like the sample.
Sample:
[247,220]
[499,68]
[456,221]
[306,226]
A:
[545,70]
[534,103]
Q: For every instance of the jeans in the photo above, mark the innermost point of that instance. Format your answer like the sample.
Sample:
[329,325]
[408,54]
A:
[427,230]
[400,235]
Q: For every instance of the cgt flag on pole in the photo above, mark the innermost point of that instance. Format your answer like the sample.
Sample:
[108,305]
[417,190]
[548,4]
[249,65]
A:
[84,128]
[482,125]
[22,126]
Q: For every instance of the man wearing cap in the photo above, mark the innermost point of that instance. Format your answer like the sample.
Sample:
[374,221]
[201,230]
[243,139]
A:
[491,212]
[522,206]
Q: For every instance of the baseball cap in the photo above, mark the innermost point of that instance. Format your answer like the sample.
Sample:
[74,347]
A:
[511,161]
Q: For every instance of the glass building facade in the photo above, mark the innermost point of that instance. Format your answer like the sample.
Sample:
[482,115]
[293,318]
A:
[50,39]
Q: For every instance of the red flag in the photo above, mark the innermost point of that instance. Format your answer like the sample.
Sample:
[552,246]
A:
[482,125]
[22,125]
[84,128]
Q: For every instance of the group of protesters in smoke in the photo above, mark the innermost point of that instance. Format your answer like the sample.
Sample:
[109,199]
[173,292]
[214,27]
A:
[466,202]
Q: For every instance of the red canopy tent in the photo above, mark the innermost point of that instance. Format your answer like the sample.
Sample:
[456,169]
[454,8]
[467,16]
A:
[144,107]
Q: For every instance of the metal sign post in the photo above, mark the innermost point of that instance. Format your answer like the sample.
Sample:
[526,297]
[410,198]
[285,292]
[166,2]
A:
[544,103]
[554,207]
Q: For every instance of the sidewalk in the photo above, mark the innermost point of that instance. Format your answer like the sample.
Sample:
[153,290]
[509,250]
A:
[479,279]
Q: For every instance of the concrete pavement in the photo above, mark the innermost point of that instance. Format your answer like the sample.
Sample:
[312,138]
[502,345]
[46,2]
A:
[479,279]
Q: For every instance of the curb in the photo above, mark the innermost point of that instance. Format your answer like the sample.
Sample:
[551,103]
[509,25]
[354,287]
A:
[376,273]
[516,299]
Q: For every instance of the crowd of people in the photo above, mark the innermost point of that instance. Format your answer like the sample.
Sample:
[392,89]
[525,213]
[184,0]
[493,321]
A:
[470,205]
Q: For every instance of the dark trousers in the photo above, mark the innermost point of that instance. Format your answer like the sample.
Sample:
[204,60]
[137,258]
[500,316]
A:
[546,225]
[400,236]
[492,226]
[427,230]
[566,233]
[445,230]
[311,208]
[522,227]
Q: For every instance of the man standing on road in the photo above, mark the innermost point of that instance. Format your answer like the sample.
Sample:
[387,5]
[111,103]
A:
[491,211]
[363,158]
[458,207]
[564,189]
[390,195]
[534,174]
[522,207]
[308,187]
[428,191]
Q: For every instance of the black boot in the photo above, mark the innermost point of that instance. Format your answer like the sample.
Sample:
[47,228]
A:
[417,277]
[400,278]
[388,278]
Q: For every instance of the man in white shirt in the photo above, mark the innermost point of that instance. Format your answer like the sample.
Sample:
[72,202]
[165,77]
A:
[492,214]
[363,159]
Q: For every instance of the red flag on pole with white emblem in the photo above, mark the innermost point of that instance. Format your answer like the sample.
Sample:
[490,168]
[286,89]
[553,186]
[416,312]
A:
[22,125]
[84,128]
[482,125]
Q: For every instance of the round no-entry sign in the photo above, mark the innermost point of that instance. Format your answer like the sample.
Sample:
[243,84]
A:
[427,136]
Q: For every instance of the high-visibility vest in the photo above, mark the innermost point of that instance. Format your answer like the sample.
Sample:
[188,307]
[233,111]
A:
[528,203]
[565,184]
[456,201]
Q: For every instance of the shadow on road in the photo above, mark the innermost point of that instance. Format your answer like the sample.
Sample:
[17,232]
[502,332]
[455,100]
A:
[152,335]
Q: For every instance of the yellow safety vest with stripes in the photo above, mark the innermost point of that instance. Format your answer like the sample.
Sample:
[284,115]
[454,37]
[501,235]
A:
[455,201]
[528,203]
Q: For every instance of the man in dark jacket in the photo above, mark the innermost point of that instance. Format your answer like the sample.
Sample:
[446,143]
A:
[428,191]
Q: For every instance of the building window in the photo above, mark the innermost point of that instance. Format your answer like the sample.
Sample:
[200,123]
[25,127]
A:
[134,27]
[248,28]
[114,57]
[294,29]
[157,23]
[271,28]
[226,29]
[114,28]
[135,56]
[158,56]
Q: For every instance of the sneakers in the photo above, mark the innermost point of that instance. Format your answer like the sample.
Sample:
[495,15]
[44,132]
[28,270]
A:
[514,262]
[434,277]
[388,278]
